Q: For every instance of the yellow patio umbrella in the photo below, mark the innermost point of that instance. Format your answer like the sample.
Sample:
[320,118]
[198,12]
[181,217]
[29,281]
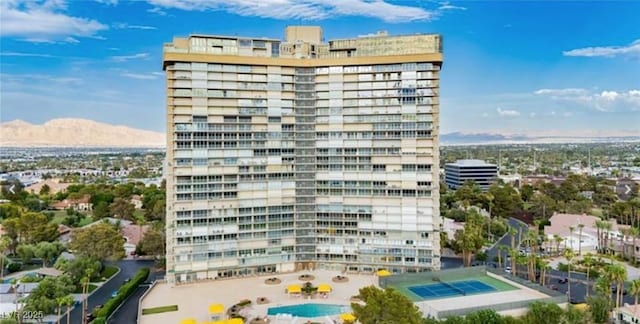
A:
[294,289]
[216,309]
[324,288]
[347,317]
[235,321]
[383,273]
[188,321]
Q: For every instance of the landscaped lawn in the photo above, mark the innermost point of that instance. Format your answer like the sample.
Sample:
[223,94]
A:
[86,221]
[92,287]
[596,212]
[59,216]
[158,310]
[108,272]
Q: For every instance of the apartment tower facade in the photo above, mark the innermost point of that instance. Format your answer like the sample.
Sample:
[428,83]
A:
[301,154]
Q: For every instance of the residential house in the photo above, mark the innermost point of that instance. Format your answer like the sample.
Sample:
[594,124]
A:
[627,314]
[561,225]
[534,179]
[65,233]
[133,234]
[450,227]
[81,204]
[136,200]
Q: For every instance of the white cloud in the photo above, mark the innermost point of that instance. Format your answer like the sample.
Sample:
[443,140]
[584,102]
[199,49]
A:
[507,113]
[606,51]
[20,54]
[157,10]
[71,40]
[124,58]
[606,100]
[305,9]
[127,26]
[449,6]
[44,21]
[532,115]
[140,76]
[108,2]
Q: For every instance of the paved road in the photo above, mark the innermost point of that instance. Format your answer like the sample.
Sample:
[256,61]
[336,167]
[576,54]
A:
[128,312]
[102,294]
[506,239]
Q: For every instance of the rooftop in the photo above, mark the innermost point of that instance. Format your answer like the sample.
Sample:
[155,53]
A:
[471,162]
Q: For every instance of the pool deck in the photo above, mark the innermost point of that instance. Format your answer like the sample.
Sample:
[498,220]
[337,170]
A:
[193,300]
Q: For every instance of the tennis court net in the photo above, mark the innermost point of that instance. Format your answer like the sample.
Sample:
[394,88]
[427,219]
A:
[456,289]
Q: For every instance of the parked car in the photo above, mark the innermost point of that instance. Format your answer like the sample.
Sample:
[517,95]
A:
[114,294]
[563,280]
[507,269]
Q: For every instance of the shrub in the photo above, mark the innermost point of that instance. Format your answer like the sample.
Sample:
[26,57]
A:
[127,289]
[563,267]
[14,267]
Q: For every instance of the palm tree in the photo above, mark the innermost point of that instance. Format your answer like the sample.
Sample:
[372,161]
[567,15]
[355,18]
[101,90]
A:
[568,254]
[587,260]
[61,302]
[514,260]
[5,242]
[69,302]
[616,274]
[580,227]
[635,291]
[635,232]
[543,264]
[571,229]
[599,227]
[607,228]
[558,240]
[501,248]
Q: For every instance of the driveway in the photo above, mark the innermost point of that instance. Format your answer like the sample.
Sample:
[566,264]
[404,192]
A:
[128,311]
[506,238]
[102,294]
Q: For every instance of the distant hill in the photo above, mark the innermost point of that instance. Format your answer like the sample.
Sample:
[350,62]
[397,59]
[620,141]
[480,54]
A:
[544,137]
[70,132]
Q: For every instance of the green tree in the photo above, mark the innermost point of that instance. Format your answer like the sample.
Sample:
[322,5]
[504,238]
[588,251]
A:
[101,210]
[484,316]
[385,306]
[568,254]
[122,208]
[635,291]
[5,242]
[507,200]
[101,242]
[157,212]
[78,267]
[48,251]
[26,252]
[599,308]
[540,312]
[44,298]
[45,190]
[573,315]
[153,242]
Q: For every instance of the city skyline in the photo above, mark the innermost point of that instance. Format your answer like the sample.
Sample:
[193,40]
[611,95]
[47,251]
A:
[509,67]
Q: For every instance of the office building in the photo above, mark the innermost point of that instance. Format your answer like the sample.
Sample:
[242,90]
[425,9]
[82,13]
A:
[301,154]
[482,173]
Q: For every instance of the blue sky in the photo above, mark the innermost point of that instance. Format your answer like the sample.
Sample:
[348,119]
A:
[510,67]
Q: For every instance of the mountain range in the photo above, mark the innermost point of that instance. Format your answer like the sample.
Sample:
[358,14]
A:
[72,132]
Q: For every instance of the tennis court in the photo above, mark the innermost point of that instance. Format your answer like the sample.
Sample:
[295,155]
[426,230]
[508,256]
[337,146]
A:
[451,289]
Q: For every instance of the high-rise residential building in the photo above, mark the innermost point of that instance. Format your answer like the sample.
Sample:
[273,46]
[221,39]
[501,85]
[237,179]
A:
[302,154]
[482,173]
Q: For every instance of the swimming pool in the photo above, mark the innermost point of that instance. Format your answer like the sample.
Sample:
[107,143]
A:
[310,310]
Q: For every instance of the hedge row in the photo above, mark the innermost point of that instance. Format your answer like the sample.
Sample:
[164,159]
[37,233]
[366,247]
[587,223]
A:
[127,289]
